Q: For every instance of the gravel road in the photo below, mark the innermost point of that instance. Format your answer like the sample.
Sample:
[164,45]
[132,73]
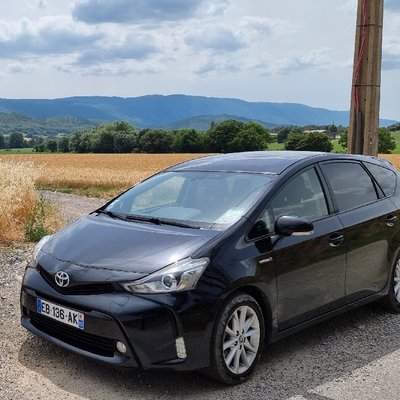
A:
[355,356]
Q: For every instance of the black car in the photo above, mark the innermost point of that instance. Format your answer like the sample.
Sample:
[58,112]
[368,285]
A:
[199,265]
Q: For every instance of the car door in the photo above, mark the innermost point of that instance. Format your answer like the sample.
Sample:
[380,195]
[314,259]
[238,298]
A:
[370,226]
[310,270]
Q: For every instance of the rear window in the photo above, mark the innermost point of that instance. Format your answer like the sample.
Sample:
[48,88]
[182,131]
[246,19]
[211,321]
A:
[386,178]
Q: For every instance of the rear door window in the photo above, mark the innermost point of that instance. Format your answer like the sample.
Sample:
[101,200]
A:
[352,186]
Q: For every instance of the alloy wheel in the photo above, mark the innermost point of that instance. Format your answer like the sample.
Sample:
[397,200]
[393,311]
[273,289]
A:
[396,285]
[242,339]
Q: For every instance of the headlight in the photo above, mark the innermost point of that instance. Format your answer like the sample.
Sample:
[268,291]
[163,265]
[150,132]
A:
[39,246]
[177,277]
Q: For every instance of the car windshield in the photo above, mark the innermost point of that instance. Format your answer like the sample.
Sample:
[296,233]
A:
[206,199]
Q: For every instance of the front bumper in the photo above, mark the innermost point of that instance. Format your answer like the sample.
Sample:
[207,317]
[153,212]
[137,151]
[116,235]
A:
[151,327]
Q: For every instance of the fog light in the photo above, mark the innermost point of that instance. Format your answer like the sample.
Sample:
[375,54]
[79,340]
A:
[180,347]
[121,347]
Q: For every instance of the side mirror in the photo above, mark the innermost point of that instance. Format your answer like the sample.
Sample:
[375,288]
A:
[293,226]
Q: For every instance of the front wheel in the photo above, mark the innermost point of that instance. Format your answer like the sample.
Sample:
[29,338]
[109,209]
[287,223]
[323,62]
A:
[238,340]
[392,300]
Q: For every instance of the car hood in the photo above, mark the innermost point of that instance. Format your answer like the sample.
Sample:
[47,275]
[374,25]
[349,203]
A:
[107,244]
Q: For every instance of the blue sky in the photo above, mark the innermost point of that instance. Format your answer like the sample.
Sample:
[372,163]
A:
[256,50]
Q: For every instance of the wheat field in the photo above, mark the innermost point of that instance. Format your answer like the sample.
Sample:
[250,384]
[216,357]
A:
[100,175]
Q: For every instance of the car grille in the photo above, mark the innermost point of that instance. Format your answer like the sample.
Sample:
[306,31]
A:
[73,336]
[79,289]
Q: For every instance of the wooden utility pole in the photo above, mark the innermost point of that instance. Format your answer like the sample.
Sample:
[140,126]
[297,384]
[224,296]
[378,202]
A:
[365,96]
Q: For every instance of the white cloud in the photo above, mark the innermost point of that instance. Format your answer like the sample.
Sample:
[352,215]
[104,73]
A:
[47,36]
[217,38]
[18,68]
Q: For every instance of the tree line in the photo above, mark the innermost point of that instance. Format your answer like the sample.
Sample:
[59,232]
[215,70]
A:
[122,137]
[227,136]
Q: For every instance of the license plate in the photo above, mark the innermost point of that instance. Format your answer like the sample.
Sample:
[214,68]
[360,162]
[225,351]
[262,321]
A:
[60,313]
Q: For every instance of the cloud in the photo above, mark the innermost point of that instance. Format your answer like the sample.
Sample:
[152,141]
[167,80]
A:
[41,4]
[220,38]
[48,36]
[106,69]
[131,47]
[18,68]
[140,11]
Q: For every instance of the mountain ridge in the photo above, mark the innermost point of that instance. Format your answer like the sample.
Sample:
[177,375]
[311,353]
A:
[163,111]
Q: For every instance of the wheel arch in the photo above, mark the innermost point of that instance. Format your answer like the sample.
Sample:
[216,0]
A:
[261,299]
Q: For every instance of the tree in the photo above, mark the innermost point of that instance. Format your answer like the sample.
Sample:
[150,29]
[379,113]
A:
[219,138]
[51,145]
[2,142]
[332,131]
[252,137]
[124,143]
[188,141]
[16,140]
[156,141]
[282,135]
[232,136]
[79,143]
[103,142]
[386,142]
[63,144]
[313,141]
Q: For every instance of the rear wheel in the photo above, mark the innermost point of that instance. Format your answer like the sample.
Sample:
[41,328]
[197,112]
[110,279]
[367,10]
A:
[392,300]
[238,340]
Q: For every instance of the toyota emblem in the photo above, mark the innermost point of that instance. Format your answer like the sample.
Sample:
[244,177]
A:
[62,279]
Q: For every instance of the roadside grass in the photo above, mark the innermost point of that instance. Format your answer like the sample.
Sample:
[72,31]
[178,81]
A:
[23,214]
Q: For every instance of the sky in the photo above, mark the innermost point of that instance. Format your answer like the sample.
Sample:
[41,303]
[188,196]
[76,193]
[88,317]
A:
[298,51]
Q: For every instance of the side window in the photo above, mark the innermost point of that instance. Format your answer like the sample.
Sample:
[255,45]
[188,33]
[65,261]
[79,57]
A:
[385,177]
[302,196]
[351,184]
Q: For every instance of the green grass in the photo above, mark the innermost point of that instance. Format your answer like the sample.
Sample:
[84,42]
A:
[276,146]
[337,148]
[396,136]
[27,150]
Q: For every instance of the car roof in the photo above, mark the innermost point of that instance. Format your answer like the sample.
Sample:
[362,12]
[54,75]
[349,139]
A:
[264,162]
[267,162]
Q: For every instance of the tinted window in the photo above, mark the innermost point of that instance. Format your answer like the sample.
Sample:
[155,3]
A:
[351,184]
[302,197]
[385,178]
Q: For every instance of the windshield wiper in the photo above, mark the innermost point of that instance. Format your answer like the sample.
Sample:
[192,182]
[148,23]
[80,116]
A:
[110,214]
[159,221]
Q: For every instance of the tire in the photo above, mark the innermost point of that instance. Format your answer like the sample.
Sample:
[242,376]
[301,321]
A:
[392,300]
[237,341]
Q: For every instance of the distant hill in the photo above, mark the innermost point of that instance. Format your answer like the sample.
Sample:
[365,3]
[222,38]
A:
[156,111]
[203,122]
[14,122]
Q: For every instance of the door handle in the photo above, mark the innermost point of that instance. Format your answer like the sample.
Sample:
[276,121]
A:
[336,239]
[391,220]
